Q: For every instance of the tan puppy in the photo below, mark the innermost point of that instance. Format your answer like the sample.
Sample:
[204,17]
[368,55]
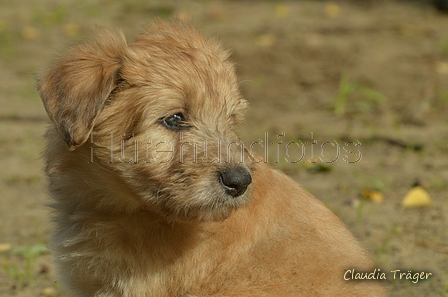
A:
[154,194]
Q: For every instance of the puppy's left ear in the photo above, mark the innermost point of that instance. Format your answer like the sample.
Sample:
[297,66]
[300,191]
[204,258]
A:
[75,88]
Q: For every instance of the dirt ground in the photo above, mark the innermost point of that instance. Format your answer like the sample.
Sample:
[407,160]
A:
[372,73]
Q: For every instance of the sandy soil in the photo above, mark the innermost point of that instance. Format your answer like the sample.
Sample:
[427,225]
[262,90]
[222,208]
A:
[368,72]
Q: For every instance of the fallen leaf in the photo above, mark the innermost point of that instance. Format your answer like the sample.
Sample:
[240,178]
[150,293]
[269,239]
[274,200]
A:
[442,68]
[49,292]
[332,10]
[266,40]
[31,33]
[374,196]
[416,197]
[3,25]
[71,29]
[282,10]
[4,247]
[317,167]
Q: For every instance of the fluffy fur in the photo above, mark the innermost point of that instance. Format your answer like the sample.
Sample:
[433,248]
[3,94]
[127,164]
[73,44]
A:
[141,208]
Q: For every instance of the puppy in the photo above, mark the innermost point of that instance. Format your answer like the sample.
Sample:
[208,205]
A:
[154,194]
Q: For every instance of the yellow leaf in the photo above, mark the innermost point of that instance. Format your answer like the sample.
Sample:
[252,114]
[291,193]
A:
[442,68]
[3,25]
[4,247]
[282,11]
[72,30]
[49,292]
[332,9]
[266,40]
[374,196]
[29,32]
[416,197]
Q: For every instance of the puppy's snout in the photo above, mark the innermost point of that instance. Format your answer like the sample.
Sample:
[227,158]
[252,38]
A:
[235,180]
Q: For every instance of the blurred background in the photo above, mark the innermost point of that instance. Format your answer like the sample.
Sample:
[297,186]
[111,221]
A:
[366,81]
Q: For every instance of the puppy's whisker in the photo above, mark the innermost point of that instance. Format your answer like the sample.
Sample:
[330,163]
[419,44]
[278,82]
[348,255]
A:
[102,167]
[246,80]
[158,191]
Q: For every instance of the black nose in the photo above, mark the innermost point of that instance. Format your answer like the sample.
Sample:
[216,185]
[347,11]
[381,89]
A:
[235,180]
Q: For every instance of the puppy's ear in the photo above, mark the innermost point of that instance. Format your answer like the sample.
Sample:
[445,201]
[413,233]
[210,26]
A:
[75,88]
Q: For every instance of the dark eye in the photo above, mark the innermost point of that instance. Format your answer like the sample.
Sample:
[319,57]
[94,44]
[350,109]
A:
[175,121]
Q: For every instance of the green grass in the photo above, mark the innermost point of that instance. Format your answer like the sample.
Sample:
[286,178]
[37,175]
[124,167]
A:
[22,270]
[382,251]
[444,47]
[354,97]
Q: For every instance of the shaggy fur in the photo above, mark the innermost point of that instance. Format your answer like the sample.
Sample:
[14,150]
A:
[144,208]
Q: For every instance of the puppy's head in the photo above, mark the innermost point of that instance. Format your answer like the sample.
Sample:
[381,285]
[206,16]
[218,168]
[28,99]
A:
[159,114]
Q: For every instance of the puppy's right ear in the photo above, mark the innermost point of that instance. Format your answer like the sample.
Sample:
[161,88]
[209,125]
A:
[75,88]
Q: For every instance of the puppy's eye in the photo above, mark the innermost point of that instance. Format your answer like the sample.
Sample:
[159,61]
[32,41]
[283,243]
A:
[175,121]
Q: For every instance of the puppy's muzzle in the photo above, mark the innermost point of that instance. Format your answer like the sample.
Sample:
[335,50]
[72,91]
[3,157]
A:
[235,180]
